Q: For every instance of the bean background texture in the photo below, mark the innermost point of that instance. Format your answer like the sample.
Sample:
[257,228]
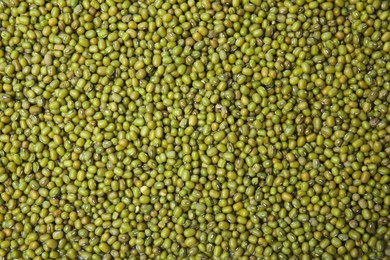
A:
[228,129]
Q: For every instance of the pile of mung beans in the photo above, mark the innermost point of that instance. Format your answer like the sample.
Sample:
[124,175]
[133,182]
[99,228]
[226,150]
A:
[183,129]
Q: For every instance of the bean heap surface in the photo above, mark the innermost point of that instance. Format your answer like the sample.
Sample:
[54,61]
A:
[227,129]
